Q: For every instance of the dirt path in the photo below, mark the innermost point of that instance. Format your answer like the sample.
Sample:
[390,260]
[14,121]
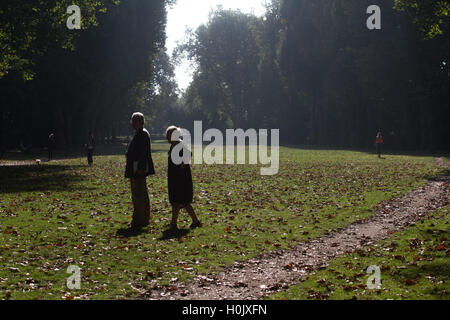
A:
[441,163]
[276,271]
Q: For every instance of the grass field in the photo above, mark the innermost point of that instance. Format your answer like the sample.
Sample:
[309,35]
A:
[66,213]
[414,264]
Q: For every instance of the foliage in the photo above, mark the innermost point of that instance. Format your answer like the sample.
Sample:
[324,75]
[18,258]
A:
[30,28]
[162,93]
[95,87]
[431,16]
[223,90]
[313,70]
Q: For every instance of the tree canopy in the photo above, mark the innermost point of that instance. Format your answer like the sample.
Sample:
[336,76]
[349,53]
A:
[430,15]
[30,28]
[309,68]
[314,70]
[92,87]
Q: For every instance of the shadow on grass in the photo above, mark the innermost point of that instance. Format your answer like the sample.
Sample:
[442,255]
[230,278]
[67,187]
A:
[372,151]
[130,232]
[438,270]
[420,154]
[16,179]
[429,266]
[174,234]
[442,176]
[72,153]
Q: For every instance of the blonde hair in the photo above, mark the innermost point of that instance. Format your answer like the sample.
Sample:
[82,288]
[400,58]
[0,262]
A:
[170,130]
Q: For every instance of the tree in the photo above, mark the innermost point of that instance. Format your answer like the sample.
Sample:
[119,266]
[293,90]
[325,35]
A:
[315,71]
[430,15]
[94,87]
[226,52]
[30,28]
[162,93]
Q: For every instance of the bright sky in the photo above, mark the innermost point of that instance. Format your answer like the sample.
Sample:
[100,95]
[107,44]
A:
[193,13]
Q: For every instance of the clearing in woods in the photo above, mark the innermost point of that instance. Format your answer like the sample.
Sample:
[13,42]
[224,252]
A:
[321,204]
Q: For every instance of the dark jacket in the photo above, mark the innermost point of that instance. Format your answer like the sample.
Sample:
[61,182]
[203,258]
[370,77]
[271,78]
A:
[139,155]
[180,184]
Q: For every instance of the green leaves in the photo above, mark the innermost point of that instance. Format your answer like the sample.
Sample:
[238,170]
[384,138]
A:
[429,16]
[32,27]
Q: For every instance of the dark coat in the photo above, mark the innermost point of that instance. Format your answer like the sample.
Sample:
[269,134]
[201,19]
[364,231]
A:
[180,185]
[139,155]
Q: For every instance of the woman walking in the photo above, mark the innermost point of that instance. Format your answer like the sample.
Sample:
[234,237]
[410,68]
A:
[180,184]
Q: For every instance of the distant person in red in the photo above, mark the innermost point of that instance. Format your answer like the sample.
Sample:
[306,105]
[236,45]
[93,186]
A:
[379,142]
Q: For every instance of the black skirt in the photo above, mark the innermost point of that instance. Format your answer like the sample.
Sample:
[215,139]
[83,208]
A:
[181,190]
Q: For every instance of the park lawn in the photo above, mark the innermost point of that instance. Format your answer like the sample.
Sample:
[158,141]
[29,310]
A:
[66,213]
[414,264]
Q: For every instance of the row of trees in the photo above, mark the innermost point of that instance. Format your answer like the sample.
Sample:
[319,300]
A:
[71,82]
[309,68]
[314,70]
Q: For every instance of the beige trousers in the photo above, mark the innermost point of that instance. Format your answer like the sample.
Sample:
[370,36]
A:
[141,202]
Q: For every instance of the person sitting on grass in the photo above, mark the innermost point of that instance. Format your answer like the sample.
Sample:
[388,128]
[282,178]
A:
[180,184]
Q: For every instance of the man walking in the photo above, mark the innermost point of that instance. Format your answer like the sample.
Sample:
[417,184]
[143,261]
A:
[139,166]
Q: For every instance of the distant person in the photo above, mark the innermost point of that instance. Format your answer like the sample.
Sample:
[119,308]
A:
[378,143]
[139,165]
[180,185]
[24,148]
[90,148]
[50,145]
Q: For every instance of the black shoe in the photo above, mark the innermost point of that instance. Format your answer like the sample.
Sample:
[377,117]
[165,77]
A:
[196,225]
